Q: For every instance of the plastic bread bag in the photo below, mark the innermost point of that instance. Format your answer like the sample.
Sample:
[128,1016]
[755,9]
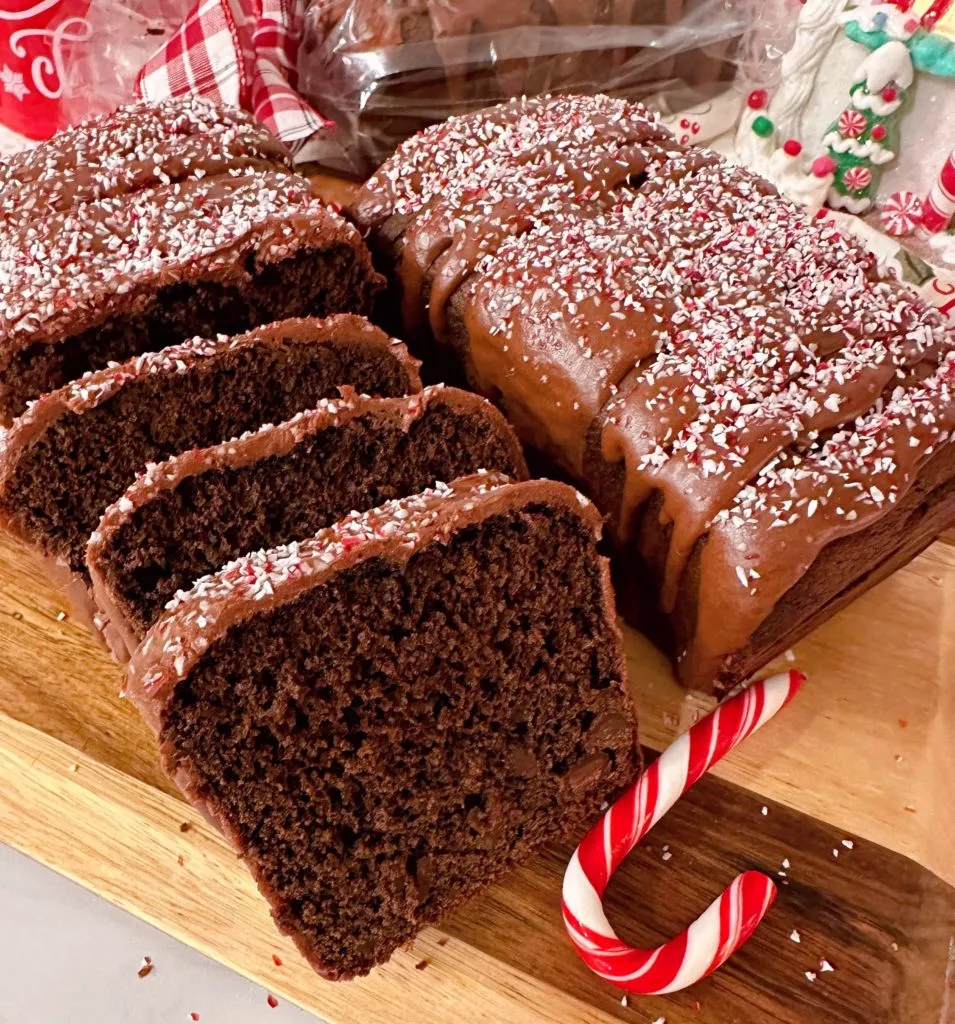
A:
[121,36]
[383,69]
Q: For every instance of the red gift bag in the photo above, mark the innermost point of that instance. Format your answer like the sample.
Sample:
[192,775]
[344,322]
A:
[35,37]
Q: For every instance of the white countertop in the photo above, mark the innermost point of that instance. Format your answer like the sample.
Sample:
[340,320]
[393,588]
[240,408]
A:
[69,957]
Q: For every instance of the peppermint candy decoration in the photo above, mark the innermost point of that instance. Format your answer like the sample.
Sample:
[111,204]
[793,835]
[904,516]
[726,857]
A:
[901,213]
[852,124]
[732,918]
[857,178]
[938,210]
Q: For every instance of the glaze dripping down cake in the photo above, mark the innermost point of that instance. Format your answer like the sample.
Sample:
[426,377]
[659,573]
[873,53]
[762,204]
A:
[384,718]
[762,414]
[76,449]
[185,517]
[151,225]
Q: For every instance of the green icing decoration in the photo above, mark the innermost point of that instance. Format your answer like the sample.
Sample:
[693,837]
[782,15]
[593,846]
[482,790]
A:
[846,162]
[914,270]
[763,126]
[929,52]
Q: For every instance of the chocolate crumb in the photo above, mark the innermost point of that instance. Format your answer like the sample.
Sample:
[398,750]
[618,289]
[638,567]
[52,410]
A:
[185,826]
[421,965]
[145,967]
[180,860]
[443,941]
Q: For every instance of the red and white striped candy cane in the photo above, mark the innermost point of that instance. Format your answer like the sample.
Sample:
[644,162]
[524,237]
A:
[732,918]
[939,205]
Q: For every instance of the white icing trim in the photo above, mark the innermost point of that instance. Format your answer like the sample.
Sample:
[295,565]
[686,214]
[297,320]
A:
[816,29]
[895,20]
[715,117]
[890,63]
[870,150]
[875,103]
[943,243]
[787,173]
[840,202]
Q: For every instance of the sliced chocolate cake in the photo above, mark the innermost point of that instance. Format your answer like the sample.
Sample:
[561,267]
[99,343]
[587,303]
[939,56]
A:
[386,717]
[187,516]
[152,225]
[673,333]
[77,449]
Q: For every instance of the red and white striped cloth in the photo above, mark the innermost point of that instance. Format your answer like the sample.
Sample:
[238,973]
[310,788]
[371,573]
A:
[240,52]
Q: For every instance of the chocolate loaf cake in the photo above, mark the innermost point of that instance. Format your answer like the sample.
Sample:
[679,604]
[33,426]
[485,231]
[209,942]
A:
[669,330]
[386,717]
[77,449]
[150,226]
[187,516]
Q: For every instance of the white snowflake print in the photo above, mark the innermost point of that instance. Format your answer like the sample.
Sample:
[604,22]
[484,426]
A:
[12,82]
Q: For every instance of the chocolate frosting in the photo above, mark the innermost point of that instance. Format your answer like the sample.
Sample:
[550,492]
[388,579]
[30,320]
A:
[260,581]
[95,388]
[266,442]
[677,319]
[140,200]
[139,146]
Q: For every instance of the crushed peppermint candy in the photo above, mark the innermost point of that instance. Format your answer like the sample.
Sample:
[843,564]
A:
[183,633]
[731,347]
[140,145]
[137,200]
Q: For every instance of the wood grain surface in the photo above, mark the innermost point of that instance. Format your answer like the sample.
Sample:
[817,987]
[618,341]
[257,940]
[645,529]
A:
[864,754]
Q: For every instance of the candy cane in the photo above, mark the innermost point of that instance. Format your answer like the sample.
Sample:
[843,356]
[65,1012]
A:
[732,918]
[939,204]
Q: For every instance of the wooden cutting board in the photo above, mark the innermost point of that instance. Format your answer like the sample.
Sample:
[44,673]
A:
[865,754]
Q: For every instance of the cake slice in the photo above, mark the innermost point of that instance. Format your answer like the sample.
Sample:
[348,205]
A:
[146,240]
[189,515]
[384,718]
[76,450]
